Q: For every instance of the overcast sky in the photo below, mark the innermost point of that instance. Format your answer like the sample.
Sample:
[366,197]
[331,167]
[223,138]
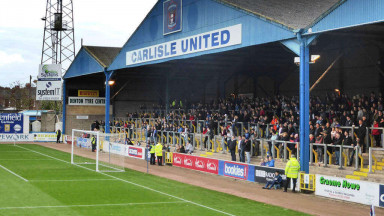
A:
[99,23]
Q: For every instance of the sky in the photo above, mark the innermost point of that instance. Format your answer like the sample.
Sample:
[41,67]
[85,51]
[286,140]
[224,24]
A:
[99,23]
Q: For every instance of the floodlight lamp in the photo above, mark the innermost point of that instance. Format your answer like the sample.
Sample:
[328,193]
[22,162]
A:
[111,82]
[314,58]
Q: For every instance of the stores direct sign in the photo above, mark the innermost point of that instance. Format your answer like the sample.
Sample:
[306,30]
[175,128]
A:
[49,90]
[91,101]
[136,152]
[348,190]
[11,123]
[219,38]
[196,163]
[88,93]
[381,196]
[172,16]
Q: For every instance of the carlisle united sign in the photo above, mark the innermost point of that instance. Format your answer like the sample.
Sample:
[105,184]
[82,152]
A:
[172,16]
[216,39]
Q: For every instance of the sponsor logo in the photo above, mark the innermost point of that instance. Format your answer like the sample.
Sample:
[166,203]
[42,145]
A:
[211,166]
[199,164]
[335,183]
[177,160]
[17,127]
[135,152]
[236,170]
[381,196]
[47,73]
[115,148]
[260,173]
[10,117]
[188,162]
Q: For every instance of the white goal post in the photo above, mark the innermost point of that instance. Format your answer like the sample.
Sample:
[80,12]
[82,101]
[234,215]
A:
[103,156]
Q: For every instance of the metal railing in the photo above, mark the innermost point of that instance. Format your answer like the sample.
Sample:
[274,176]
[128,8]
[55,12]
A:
[372,157]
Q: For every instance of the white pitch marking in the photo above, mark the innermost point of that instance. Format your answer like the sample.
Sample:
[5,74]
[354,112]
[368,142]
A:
[15,159]
[71,180]
[90,205]
[148,188]
[13,173]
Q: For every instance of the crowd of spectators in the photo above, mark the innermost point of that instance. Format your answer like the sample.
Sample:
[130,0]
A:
[277,118]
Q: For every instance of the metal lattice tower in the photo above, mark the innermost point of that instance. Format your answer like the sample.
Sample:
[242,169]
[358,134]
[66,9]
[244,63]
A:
[59,34]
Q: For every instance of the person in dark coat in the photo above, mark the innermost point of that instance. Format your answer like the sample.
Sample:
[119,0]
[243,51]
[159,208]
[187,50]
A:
[232,147]
[360,133]
[58,135]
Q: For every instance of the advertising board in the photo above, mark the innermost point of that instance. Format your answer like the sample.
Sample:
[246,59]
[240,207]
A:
[135,152]
[11,123]
[44,137]
[16,137]
[264,174]
[83,142]
[196,163]
[88,93]
[48,90]
[89,101]
[114,148]
[363,192]
[237,170]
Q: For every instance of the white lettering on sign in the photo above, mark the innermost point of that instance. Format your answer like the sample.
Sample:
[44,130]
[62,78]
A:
[219,38]
[92,101]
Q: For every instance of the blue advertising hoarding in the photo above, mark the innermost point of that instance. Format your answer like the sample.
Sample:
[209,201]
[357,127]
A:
[172,16]
[11,123]
[237,170]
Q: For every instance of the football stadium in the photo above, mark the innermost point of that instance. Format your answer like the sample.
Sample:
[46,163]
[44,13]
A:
[211,107]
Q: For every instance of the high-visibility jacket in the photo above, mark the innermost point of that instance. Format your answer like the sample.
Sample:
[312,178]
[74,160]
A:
[292,168]
[159,149]
[93,140]
[153,150]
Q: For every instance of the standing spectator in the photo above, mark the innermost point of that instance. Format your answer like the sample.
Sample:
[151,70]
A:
[232,148]
[360,132]
[58,135]
[239,144]
[292,171]
[337,143]
[376,133]
[247,149]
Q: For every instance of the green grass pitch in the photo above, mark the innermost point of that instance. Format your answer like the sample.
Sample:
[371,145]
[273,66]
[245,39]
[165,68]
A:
[35,180]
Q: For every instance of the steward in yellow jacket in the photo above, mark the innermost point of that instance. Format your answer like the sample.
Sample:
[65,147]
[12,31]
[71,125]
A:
[159,154]
[292,170]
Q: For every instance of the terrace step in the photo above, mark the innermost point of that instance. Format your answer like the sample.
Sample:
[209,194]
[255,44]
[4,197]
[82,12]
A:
[352,177]
[357,173]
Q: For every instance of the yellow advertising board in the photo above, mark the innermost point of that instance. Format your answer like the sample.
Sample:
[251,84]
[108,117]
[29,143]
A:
[88,93]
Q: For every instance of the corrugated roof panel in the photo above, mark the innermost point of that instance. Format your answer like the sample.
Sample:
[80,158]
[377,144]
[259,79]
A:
[352,13]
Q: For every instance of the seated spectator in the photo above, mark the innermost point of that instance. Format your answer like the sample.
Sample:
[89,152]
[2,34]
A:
[263,162]
[182,149]
[271,162]
[177,148]
[189,148]
[275,182]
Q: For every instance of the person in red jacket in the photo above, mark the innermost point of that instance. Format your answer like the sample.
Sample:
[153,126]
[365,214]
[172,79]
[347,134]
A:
[376,133]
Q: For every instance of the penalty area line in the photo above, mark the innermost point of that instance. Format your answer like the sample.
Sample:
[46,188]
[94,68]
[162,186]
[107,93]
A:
[24,179]
[90,205]
[142,186]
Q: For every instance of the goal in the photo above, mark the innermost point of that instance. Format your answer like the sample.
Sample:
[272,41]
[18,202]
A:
[107,155]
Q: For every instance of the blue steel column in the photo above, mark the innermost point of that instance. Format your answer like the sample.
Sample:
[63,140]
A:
[64,106]
[304,104]
[107,99]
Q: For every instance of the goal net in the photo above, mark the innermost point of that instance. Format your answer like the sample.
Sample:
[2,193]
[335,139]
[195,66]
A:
[98,151]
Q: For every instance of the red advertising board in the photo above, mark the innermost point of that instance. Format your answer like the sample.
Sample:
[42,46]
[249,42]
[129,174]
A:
[137,152]
[196,163]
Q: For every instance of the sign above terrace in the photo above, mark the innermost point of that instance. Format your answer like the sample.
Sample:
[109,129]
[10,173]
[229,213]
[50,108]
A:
[219,38]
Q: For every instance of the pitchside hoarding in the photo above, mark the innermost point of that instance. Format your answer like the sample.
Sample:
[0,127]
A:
[11,123]
[237,170]
[45,137]
[136,152]
[83,142]
[16,137]
[264,174]
[363,192]
[196,163]
[49,85]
